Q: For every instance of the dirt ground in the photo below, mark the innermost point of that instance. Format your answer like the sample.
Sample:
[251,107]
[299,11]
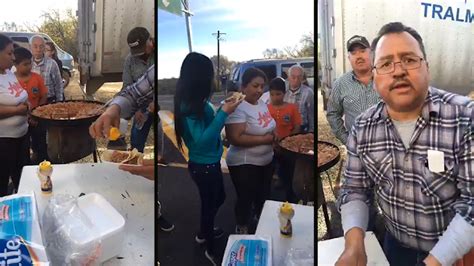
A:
[324,133]
[74,92]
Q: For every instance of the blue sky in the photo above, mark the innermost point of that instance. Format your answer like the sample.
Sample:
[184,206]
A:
[251,27]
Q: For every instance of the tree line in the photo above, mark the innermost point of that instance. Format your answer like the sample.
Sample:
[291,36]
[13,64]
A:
[61,26]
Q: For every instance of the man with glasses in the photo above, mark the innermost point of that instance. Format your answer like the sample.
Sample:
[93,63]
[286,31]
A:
[353,92]
[416,149]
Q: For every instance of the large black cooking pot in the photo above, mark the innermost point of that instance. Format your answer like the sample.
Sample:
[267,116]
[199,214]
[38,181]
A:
[69,139]
[333,161]
[67,122]
[303,175]
[295,155]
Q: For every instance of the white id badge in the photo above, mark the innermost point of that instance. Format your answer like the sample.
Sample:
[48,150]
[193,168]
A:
[436,161]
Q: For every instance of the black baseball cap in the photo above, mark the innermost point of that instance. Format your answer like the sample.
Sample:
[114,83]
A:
[357,39]
[137,39]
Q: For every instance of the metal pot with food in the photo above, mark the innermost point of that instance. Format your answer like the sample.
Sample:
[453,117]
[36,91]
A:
[67,125]
[300,147]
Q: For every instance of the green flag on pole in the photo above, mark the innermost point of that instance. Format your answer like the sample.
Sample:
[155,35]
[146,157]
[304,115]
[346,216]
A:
[172,6]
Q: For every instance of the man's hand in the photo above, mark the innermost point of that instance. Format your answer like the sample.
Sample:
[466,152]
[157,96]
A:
[146,170]
[354,250]
[139,117]
[151,107]
[431,261]
[110,118]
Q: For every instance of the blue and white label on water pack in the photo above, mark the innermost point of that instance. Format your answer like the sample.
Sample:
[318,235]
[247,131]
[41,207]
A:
[16,218]
[248,252]
[16,223]
[15,251]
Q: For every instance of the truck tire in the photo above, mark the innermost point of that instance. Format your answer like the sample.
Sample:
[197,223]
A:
[66,78]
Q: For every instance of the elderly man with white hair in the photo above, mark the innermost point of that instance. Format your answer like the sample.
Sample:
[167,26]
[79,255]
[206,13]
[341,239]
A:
[301,95]
[47,68]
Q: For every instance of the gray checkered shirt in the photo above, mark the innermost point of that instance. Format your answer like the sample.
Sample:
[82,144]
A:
[349,98]
[304,98]
[416,203]
[136,94]
[49,71]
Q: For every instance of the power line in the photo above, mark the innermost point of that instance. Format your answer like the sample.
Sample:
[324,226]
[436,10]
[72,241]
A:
[218,35]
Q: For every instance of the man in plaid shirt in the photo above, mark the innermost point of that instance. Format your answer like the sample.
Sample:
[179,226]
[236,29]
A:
[47,68]
[126,103]
[428,212]
[301,95]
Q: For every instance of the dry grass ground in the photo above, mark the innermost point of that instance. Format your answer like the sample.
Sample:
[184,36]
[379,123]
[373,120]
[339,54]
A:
[324,133]
[105,93]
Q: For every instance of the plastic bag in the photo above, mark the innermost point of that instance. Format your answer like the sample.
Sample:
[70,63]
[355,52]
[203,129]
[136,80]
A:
[69,234]
[20,234]
[248,250]
[299,257]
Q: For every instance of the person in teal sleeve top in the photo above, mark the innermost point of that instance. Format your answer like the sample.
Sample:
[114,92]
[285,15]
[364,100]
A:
[199,126]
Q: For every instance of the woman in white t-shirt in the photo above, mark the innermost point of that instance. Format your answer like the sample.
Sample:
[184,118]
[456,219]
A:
[14,143]
[250,132]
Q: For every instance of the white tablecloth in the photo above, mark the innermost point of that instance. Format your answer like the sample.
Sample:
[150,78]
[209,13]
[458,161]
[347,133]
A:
[303,230]
[330,250]
[136,206]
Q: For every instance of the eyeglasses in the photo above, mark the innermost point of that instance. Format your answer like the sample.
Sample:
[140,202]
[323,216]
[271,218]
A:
[407,63]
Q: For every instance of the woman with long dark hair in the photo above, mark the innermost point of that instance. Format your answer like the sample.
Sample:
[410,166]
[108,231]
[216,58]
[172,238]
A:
[199,126]
[14,106]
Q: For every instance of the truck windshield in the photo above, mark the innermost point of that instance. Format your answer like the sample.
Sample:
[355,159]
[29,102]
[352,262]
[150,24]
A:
[308,69]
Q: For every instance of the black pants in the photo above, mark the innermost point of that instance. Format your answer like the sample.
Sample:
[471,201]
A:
[210,183]
[38,143]
[399,255]
[252,184]
[286,168]
[14,155]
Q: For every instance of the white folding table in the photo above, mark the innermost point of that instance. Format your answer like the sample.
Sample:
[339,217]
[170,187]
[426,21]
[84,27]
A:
[303,230]
[330,250]
[132,196]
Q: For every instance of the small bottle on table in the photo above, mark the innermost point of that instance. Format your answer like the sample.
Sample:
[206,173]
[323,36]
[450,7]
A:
[285,214]
[45,170]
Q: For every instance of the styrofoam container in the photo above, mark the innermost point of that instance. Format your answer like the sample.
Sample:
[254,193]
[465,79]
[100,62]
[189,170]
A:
[107,222]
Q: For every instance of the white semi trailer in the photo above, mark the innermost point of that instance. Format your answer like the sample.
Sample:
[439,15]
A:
[102,35]
[446,26]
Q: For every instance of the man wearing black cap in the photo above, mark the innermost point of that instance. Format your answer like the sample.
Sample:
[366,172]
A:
[353,92]
[141,55]
[140,58]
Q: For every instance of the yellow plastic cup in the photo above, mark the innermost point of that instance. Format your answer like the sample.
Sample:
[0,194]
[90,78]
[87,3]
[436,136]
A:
[114,133]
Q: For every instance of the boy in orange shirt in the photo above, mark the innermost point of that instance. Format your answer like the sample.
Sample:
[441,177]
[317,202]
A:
[37,94]
[288,122]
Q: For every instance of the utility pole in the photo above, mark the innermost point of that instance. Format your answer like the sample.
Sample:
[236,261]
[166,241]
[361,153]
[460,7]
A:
[188,15]
[218,37]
